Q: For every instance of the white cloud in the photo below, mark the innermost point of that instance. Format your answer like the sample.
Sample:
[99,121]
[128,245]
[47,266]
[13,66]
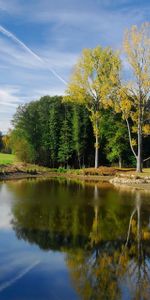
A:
[10,53]
[8,96]
[9,100]
[58,59]
[89,17]
[11,97]
[5,208]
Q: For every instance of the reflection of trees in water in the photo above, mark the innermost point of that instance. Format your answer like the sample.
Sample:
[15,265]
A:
[106,245]
[134,261]
[102,272]
[52,216]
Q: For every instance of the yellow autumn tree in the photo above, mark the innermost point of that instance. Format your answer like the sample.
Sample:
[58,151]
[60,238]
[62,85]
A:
[134,96]
[93,81]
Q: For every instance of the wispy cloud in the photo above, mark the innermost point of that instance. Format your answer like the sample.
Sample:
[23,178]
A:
[8,96]
[36,57]
[9,101]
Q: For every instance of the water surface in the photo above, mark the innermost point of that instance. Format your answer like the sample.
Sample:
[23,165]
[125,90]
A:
[65,240]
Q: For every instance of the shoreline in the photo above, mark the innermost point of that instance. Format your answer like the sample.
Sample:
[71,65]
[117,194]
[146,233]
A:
[46,175]
[121,182]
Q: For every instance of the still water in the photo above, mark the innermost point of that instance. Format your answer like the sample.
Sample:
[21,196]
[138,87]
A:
[62,240]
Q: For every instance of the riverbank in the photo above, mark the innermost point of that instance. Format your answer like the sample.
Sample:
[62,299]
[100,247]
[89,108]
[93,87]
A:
[117,177]
[19,170]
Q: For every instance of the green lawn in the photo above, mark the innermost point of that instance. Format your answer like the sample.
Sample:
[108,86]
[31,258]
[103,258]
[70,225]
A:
[6,159]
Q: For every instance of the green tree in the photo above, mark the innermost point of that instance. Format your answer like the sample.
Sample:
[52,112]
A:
[114,130]
[76,132]
[54,123]
[21,147]
[65,142]
[26,121]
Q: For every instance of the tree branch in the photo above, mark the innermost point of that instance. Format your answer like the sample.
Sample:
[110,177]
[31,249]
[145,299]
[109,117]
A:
[146,159]
[129,131]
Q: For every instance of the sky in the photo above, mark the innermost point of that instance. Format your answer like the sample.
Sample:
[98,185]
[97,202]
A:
[52,34]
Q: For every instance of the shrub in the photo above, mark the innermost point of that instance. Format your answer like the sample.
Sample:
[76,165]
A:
[61,170]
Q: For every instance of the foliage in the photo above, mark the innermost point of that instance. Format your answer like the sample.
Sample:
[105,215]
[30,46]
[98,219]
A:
[114,130]
[61,170]
[65,142]
[104,171]
[50,126]
[21,147]
[93,82]
[133,97]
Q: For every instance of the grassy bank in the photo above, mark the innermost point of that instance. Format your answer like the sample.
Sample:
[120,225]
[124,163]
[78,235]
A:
[7,159]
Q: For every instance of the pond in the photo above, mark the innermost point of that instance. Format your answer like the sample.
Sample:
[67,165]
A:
[68,240]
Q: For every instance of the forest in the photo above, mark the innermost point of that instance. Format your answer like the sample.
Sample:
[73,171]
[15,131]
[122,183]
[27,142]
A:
[52,133]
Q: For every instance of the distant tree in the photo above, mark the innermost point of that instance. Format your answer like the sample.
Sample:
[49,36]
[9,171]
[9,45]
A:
[1,141]
[21,147]
[76,132]
[54,130]
[5,146]
[26,120]
[43,122]
[49,109]
[65,142]
[93,80]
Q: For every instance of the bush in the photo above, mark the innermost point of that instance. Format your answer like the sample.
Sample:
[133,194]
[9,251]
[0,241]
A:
[21,147]
[103,171]
[24,151]
[61,170]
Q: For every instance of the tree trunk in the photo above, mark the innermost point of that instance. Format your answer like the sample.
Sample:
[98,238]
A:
[96,151]
[139,246]
[139,156]
[79,161]
[120,162]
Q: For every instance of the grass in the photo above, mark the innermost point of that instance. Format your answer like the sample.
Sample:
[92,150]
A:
[7,159]
[146,172]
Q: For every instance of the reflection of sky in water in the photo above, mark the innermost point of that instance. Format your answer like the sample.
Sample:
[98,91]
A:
[27,272]
[5,207]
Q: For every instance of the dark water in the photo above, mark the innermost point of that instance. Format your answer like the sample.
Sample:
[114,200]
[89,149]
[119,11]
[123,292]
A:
[65,240]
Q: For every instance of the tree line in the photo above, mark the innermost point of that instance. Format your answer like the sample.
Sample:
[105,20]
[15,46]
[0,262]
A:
[53,133]
[99,109]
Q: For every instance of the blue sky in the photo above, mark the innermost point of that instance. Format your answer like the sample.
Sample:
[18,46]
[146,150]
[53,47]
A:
[57,31]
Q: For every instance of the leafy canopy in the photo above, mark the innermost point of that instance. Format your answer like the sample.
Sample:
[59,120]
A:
[94,77]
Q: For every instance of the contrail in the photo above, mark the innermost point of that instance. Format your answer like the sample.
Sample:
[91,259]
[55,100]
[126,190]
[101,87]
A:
[23,273]
[26,48]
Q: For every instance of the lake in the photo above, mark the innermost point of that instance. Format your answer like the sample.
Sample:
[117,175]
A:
[65,240]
